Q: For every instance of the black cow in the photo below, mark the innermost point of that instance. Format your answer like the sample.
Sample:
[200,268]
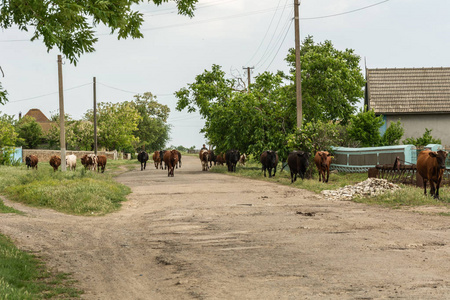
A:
[298,162]
[212,158]
[161,154]
[232,158]
[179,159]
[142,158]
[269,160]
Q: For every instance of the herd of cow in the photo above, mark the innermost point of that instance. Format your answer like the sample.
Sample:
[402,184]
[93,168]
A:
[170,158]
[298,161]
[89,161]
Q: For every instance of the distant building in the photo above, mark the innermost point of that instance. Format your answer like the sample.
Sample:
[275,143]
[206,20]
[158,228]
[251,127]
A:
[418,97]
[41,119]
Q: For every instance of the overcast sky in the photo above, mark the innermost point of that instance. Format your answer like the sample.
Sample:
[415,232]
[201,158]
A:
[230,33]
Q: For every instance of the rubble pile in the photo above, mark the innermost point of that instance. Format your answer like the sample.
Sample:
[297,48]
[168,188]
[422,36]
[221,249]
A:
[370,187]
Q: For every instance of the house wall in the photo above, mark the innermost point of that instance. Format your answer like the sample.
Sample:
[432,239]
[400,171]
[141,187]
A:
[415,125]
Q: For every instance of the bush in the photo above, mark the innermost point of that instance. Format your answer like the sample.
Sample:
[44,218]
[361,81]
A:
[424,140]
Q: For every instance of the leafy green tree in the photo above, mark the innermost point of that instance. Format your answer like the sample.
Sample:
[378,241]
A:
[116,123]
[235,119]
[332,81]
[69,24]
[393,134]
[29,132]
[153,130]
[365,128]
[3,93]
[8,135]
[424,140]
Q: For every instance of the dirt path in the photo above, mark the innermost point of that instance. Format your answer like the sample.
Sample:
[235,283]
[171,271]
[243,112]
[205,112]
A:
[202,235]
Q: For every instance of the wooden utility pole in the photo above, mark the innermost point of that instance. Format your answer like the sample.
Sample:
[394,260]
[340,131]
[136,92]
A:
[248,76]
[298,68]
[62,133]
[95,116]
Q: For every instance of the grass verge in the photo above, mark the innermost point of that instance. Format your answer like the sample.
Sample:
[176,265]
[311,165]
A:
[23,276]
[77,192]
[407,197]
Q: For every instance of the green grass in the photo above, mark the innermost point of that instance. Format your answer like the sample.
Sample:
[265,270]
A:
[79,193]
[24,276]
[407,197]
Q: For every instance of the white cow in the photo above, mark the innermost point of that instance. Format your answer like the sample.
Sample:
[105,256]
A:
[71,162]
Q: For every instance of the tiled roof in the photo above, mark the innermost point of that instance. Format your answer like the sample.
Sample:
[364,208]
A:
[397,91]
[38,115]
[45,123]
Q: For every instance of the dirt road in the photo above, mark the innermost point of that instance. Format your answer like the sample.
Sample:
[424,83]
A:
[201,235]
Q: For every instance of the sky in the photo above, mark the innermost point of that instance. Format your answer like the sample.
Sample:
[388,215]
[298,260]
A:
[231,33]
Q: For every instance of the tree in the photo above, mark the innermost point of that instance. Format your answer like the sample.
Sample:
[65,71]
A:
[235,119]
[153,130]
[8,135]
[116,124]
[365,127]
[29,132]
[393,134]
[332,82]
[69,24]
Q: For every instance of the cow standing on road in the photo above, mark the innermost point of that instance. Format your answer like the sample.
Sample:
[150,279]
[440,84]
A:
[322,159]
[232,158]
[142,158]
[431,166]
[170,160]
[269,161]
[204,157]
[298,162]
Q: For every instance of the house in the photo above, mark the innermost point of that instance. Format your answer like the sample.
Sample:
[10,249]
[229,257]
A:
[41,119]
[418,97]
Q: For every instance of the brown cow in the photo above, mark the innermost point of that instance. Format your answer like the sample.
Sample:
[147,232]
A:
[323,161]
[204,158]
[101,163]
[31,161]
[55,162]
[431,166]
[220,159]
[157,159]
[170,160]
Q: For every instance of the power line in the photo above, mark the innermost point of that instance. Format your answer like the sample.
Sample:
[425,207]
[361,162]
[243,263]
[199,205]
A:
[273,35]
[49,94]
[344,13]
[281,44]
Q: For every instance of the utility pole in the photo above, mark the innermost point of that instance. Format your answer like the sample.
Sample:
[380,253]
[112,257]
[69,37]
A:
[298,68]
[248,76]
[62,133]
[95,116]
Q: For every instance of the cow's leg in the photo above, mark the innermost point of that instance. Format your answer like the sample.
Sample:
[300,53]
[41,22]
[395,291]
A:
[264,169]
[270,171]
[292,177]
[424,182]
[274,170]
[438,184]
[320,175]
[328,174]
[432,189]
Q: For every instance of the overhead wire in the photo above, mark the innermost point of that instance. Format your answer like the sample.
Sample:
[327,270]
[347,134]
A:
[226,18]
[265,35]
[273,35]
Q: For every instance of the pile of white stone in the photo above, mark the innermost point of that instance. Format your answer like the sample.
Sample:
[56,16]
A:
[370,187]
